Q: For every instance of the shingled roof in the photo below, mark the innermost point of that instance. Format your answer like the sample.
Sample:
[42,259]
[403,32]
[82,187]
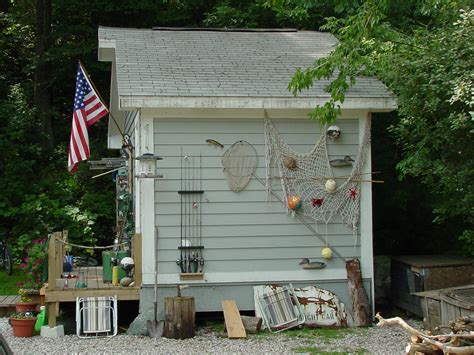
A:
[202,68]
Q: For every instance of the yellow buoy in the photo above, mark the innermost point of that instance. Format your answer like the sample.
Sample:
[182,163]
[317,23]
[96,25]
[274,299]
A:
[115,275]
[327,253]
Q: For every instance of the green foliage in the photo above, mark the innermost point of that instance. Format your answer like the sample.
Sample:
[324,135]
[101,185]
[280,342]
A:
[23,315]
[34,264]
[320,333]
[317,351]
[426,60]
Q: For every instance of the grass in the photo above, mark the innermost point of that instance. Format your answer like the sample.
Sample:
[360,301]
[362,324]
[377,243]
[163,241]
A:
[8,284]
[322,333]
[317,351]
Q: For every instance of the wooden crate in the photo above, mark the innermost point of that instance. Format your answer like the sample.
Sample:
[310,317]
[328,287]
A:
[445,305]
[418,273]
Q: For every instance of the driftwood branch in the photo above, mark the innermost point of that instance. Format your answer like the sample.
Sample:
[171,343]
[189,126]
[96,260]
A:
[445,347]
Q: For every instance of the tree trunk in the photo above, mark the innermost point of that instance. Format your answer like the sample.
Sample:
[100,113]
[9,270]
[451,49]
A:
[360,301]
[179,317]
[42,85]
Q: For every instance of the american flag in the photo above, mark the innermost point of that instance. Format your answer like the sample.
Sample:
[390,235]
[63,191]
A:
[88,109]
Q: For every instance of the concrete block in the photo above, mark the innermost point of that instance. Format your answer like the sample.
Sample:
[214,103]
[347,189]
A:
[54,332]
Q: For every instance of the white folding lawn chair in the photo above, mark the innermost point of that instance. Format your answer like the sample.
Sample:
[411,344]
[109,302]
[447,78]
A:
[96,316]
[280,308]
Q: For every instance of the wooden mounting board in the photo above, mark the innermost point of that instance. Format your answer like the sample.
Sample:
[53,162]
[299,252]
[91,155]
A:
[233,322]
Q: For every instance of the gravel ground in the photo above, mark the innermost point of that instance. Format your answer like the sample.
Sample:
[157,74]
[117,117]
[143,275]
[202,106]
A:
[373,340]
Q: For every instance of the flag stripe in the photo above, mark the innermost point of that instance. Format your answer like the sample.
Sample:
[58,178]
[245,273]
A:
[88,109]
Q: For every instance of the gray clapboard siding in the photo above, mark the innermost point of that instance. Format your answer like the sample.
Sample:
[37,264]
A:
[237,219]
[256,242]
[263,229]
[264,265]
[245,231]
[254,254]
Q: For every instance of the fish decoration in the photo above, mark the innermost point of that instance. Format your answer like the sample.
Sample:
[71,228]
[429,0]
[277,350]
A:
[311,264]
[214,143]
[347,161]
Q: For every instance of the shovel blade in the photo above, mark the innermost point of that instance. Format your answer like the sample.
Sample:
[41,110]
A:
[155,328]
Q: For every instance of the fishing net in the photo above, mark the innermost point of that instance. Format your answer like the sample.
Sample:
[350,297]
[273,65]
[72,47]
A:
[239,162]
[308,176]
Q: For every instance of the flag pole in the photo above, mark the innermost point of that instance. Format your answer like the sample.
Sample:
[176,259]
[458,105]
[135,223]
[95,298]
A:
[101,99]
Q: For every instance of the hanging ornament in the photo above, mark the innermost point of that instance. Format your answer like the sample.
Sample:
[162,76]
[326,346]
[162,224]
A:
[353,193]
[290,163]
[327,253]
[330,185]
[317,202]
[333,132]
[294,202]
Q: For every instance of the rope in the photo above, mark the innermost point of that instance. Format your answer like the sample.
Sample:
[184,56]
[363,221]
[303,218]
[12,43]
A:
[89,247]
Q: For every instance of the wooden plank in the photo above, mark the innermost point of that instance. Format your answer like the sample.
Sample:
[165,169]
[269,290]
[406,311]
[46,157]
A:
[9,300]
[137,258]
[191,276]
[435,293]
[233,322]
[123,293]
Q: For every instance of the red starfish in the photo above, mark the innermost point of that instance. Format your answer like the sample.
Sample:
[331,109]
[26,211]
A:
[353,192]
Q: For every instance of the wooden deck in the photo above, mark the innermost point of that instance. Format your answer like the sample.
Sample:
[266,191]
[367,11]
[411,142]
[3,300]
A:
[62,287]
[66,287]
[7,304]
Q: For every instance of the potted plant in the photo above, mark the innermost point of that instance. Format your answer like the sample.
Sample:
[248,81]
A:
[23,324]
[26,302]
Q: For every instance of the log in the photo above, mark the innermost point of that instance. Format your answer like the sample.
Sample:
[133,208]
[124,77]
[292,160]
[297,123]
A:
[412,349]
[360,301]
[252,325]
[179,317]
[432,340]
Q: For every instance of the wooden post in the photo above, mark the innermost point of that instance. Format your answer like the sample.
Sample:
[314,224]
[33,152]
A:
[179,317]
[51,262]
[137,258]
[52,310]
[360,301]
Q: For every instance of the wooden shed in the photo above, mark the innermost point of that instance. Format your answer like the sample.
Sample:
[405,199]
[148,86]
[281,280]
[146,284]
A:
[188,96]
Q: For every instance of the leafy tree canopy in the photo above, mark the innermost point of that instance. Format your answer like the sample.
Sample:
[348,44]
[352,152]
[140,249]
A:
[423,53]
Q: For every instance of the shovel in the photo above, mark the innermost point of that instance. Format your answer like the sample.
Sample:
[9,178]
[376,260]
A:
[155,328]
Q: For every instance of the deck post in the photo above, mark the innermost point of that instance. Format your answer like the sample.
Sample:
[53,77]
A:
[53,252]
[52,310]
[52,262]
[137,258]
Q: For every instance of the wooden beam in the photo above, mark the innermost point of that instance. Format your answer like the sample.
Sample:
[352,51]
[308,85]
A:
[233,322]
[137,258]
[123,294]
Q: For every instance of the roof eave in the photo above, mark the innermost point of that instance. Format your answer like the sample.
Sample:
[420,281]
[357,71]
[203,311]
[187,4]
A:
[106,51]
[373,104]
